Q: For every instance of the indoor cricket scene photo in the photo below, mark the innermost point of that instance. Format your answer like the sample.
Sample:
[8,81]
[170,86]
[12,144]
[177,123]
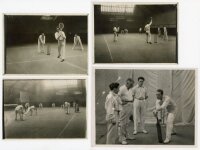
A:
[44,109]
[135,33]
[45,44]
[144,107]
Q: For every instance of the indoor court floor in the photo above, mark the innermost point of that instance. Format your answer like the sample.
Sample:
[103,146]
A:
[132,48]
[26,60]
[184,135]
[49,123]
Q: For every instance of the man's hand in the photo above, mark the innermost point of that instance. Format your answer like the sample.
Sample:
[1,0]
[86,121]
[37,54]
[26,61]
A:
[155,113]
[141,98]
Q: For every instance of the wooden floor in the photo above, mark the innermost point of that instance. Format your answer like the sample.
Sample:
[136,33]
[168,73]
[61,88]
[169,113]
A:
[48,123]
[25,59]
[132,48]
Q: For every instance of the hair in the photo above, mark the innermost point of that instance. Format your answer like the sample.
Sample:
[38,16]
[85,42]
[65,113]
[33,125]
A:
[141,78]
[113,85]
[160,91]
[130,80]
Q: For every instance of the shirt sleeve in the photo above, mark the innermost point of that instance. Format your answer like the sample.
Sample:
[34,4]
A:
[56,35]
[109,108]
[63,35]
[165,104]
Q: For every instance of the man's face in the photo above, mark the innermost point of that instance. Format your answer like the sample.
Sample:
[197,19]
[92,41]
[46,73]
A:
[159,95]
[116,90]
[129,84]
[140,82]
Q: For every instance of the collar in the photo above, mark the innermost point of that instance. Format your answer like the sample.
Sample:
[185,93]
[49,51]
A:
[140,86]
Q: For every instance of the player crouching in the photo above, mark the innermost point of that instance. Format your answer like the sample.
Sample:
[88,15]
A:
[77,42]
[19,110]
[31,109]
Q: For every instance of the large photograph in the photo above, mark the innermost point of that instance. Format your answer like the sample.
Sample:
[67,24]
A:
[144,107]
[135,33]
[45,44]
[44,109]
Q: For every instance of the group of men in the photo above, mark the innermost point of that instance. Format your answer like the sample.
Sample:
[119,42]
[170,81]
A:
[147,30]
[67,106]
[157,34]
[21,110]
[126,100]
[61,38]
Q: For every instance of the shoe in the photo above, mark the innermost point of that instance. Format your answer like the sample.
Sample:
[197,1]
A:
[58,56]
[166,141]
[62,60]
[135,132]
[144,131]
[124,143]
[150,43]
[173,133]
[130,138]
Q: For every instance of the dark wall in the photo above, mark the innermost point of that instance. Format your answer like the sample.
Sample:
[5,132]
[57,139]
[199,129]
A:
[163,15]
[26,29]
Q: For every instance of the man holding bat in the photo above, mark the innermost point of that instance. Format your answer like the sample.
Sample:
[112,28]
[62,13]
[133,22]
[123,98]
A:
[165,102]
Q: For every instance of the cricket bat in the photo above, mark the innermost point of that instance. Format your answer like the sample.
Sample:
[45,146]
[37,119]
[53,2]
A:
[159,131]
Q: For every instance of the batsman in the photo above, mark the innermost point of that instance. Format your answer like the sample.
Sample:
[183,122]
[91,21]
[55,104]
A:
[165,102]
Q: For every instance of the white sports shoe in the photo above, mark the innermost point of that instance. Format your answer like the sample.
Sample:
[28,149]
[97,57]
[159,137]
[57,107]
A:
[124,143]
[144,131]
[166,141]
[135,132]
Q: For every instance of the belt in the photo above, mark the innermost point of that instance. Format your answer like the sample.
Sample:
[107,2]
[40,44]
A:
[139,99]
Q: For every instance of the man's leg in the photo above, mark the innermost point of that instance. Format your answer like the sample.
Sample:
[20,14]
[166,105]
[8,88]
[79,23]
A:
[123,126]
[169,127]
[112,133]
[136,114]
[59,49]
[16,114]
[63,52]
[142,116]
[149,34]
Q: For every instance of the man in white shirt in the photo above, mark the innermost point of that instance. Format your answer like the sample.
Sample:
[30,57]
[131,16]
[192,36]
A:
[115,34]
[77,42]
[165,102]
[67,107]
[60,36]
[165,34]
[41,43]
[125,93]
[113,108]
[147,29]
[140,96]
[31,109]
[19,111]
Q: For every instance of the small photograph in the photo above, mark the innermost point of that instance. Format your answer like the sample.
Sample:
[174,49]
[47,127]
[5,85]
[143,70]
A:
[144,107]
[44,109]
[45,44]
[135,33]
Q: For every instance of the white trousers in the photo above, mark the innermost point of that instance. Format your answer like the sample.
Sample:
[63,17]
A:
[139,112]
[148,35]
[169,125]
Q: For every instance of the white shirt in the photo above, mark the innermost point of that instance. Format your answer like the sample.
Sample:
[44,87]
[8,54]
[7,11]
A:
[41,39]
[126,94]
[19,107]
[139,92]
[113,103]
[167,103]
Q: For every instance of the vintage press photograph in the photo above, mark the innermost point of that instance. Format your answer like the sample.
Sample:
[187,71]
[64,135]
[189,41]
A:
[45,44]
[144,107]
[135,33]
[44,109]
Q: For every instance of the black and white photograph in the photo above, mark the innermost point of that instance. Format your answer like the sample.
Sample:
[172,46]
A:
[34,109]
[135,33]
[45,44]
[144,107]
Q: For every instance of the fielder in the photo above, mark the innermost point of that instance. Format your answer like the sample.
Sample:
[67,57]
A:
[53,105]
[125,93]
[113,108]
[115,34]
[60,36]
[41,43]
[165,102]
[31,109]
[26,106]
[140,30]
[77,42]
[147,29]
[140,96]
[165,34]
[67,107]
[19,111]
[40,105]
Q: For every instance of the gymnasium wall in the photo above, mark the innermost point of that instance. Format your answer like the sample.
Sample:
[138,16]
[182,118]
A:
[180,85]
[26,29]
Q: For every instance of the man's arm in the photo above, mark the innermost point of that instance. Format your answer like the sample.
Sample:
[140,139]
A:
[163,106]
[150,21]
